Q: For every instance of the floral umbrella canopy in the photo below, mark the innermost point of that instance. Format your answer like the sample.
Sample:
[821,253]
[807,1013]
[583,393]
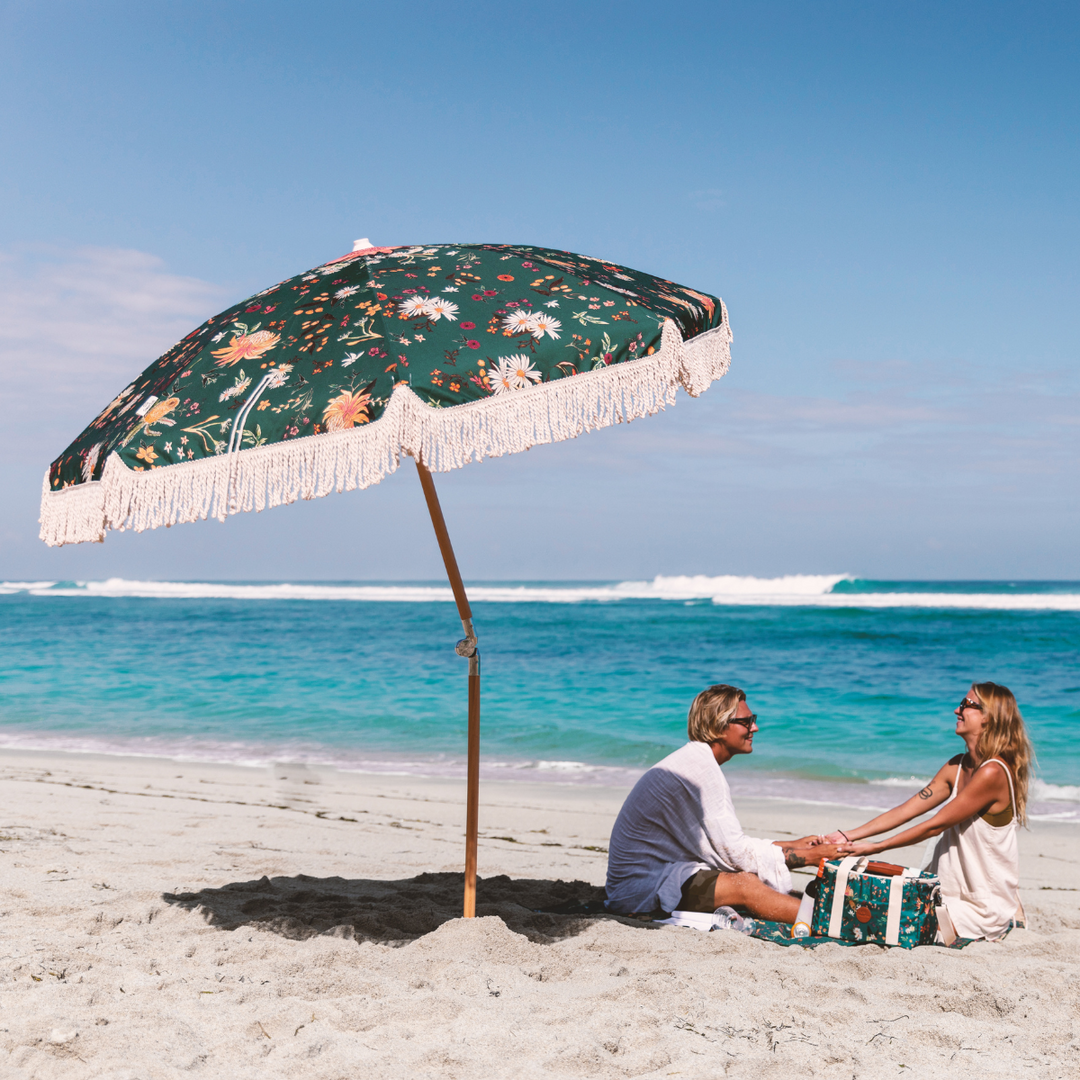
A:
[446,353]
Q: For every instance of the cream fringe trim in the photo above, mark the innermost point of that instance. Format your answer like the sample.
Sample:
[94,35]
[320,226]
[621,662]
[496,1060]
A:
[444,439]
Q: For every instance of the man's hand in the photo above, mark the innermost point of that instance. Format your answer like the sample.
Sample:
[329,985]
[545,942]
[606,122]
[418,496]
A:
[807,856]
[802,842]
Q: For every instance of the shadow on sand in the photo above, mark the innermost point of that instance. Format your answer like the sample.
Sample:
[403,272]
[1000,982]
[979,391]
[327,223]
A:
[392,912]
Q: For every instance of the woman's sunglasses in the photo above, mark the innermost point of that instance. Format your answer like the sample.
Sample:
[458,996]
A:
[967,703]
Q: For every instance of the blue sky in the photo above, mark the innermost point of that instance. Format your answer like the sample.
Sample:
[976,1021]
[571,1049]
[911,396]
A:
[884,194]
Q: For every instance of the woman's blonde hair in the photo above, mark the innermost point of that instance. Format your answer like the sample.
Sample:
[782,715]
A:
[1004,736]
[711,712]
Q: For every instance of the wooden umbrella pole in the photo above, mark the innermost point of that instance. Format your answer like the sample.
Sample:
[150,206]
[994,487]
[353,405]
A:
[465,647]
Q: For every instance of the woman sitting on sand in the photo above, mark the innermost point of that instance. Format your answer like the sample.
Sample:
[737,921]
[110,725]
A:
[984,792]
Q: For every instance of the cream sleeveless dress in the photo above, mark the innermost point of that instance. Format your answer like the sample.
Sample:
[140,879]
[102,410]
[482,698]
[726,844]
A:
[979,867]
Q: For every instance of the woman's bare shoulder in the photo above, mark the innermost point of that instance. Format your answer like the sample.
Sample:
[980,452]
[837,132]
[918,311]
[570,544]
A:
[999,772]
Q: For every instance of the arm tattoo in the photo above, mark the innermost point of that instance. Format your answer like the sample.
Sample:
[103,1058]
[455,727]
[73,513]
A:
[927,792]
[793,859]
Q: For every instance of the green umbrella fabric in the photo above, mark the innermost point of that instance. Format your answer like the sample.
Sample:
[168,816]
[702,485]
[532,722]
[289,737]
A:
[448,353]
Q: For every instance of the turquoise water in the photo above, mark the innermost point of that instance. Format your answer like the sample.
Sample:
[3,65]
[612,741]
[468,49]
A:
[854,682]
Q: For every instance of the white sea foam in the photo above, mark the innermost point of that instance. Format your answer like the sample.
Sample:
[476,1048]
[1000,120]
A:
[1044,792]
[564,766]
[791,590]
[298,752]
[24,586]
[913,783]
[660,588]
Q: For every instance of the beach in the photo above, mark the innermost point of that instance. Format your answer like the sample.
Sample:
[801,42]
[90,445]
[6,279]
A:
[740,406]
[164,918]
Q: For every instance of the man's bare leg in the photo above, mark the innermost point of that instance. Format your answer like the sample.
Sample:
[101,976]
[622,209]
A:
[749,891]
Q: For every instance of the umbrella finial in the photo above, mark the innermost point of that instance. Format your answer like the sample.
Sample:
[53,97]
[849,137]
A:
[361,245]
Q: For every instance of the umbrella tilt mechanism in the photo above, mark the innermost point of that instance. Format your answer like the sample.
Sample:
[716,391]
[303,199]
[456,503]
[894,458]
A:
[466,647]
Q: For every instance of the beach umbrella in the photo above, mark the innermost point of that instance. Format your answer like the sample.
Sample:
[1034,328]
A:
[445,353]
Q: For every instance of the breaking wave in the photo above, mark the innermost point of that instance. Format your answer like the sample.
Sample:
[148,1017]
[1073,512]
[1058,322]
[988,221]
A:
[792,590]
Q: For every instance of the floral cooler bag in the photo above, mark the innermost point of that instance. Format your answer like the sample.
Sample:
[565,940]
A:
[878,903]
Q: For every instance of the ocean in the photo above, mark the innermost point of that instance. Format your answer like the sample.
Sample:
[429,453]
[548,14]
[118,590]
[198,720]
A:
[854,681]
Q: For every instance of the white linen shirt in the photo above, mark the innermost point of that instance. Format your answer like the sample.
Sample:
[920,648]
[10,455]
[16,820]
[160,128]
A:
[679,819]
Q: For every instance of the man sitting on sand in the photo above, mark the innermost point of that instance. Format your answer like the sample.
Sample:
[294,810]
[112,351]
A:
[677,844]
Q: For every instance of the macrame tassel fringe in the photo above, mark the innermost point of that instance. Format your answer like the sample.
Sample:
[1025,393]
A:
[443,439]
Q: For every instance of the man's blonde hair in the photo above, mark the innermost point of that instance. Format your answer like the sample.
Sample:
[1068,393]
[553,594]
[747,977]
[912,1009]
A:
[712,711]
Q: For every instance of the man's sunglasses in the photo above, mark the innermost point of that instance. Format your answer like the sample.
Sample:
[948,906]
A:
[747,721]
[967,703]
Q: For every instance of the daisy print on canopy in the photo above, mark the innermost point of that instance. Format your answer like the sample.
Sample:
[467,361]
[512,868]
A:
[414,307]
[513,373]
[438,308]
[518,322]
[541,323]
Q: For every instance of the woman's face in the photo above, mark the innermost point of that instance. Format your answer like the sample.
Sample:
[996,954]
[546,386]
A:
[969,715]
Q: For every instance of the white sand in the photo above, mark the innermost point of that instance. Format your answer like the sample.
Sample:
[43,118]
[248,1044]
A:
[166,920]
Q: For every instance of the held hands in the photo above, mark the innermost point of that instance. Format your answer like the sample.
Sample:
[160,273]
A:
[811,849]
[837,837]
[858,848]
[796,856]
[837,844]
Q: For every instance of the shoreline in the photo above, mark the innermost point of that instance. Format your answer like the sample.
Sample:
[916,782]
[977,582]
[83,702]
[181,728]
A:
[327,793]
[162,917]
[855,794]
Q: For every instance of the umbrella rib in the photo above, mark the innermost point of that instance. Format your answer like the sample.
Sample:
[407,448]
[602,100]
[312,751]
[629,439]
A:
[236,436]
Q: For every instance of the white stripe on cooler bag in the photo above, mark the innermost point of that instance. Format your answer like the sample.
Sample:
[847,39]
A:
[836,915]
[896,904]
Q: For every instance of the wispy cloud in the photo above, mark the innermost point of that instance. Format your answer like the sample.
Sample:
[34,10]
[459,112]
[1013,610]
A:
[74,325]
[900,425]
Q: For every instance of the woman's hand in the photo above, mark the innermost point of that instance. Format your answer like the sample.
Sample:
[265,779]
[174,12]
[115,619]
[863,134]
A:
[837,837]
[858,848]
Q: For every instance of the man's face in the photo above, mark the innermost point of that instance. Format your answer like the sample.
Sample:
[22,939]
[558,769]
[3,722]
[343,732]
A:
[738,737]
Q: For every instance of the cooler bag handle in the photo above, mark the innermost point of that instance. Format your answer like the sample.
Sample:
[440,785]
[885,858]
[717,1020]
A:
[836,915]
[896,903]
[946,930]
[884,869]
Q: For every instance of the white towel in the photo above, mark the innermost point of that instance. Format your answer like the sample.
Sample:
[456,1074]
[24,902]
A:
[679,819]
